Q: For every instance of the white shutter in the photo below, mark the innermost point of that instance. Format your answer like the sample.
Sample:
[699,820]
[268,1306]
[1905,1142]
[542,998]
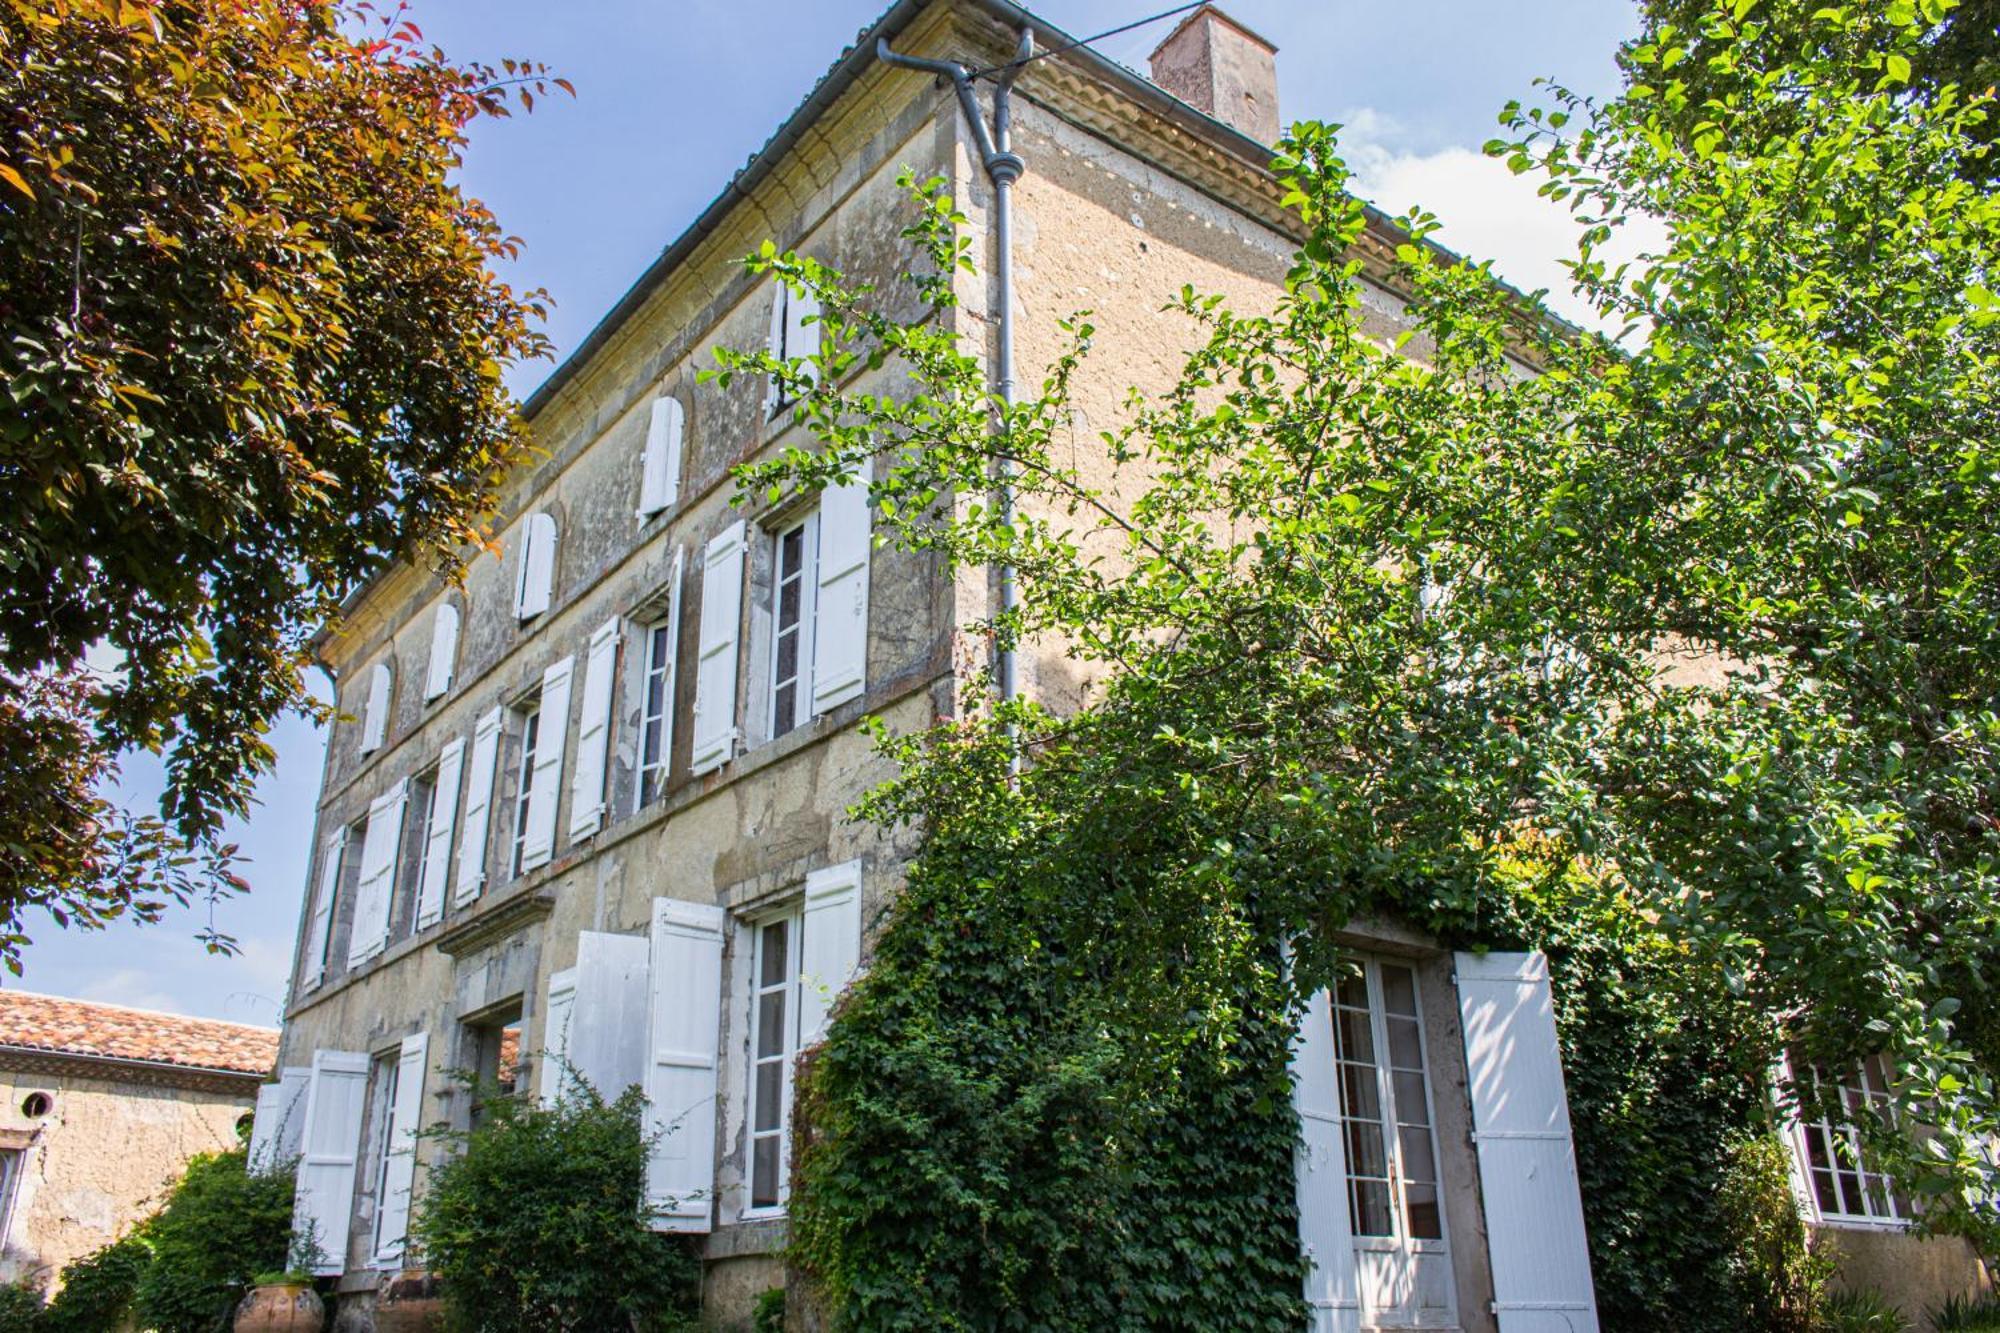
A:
[607,1040]
[329,1146]
[279,1125]
[369,930]
[780,297]
[320,928]
[715,664]
[801,338]
[593,733]
[437,847]
[830,947]
[478,808]
[375,713]
[444,651]
[558,1021]
[399,1170]
[1527,1168]
[840,627]
[536,576]
[660,471]
[683,1029]
[1326,1236]
[546,779]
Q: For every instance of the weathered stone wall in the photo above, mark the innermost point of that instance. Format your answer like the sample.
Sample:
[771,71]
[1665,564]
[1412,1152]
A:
[99,1160]
[1917,1273]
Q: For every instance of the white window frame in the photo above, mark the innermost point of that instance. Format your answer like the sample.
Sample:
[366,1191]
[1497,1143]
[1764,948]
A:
[1870,1084]
[13,1162]
[388,1072]
[655,725]
[529,710]
[792,917]
[806,627]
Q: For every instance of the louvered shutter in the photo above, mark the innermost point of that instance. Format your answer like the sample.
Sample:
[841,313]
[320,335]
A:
[279,1125]
[607,1040]
[319,931]
[369,930]
[660,472]
[1527,1167]
[444,651]
[545,782]
[802,330]
[556,1082]
[830,946]
[329,1146]
[375,712]
[684,1020]
[593,733]
[715,664]
[399,1170]
[840,627]
[536,577]
[1326,1237]
[478,808]
[437,847]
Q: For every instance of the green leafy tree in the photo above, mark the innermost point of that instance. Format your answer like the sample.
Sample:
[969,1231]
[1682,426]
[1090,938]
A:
[220,1227]
[1706,617]
[252,348]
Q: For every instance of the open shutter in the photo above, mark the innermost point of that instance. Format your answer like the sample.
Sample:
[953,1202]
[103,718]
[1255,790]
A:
[369,931]
[715,664]
[329,1146]
[840,628]
[555,1081]
[801,336]
[660,472]
[536,576]
[540,841]
[780,298]
[830,946]
[478,808]
[444,651]
[1527,1168]
[399,1171]
[684,1022]
[375,712]
[279,1125]
[320,929]
[593,733]
[437,846]
[1326,1235]
[607,1042]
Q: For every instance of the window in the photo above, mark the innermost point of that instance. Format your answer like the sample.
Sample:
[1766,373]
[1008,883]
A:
[524,786]
[444,652]
[774,1044]
[422,810]
[387,1069]
[535,575]
[1392,1178]
[660,465]
[10,1184]
[794,335]
[656,701]
[1843,1185]
[794,584]
[492,1053]
[375,711]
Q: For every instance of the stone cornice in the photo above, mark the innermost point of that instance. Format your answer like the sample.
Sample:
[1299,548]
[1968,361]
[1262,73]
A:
[112,1069]
[495,924]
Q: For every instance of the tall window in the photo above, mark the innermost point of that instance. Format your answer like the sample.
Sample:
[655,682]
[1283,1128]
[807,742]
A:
[1845,1186]
[1392,1178]
[10,1184]
[655,701]
[388,1069]
[774,1043]
[416,841]
[531,730]
[792,614]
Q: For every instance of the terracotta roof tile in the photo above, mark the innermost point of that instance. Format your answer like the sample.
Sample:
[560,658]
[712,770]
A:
[110,1031]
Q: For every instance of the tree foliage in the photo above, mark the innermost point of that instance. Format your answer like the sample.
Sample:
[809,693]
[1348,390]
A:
[252,350]
[222,1226]
[1706,616]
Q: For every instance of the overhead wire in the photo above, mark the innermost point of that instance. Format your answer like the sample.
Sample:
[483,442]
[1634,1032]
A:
[1086,41]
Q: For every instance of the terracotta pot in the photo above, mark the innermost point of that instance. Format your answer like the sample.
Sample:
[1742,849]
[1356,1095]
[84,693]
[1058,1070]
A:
[409,1303]
[282,1307]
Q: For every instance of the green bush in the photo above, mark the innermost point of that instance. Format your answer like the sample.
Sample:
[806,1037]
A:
[1967,1314]
[220,1227]
[1782,1277]
[98,1290]
[1860,1312]
[20,1308]
[537,1224]
[769,1315]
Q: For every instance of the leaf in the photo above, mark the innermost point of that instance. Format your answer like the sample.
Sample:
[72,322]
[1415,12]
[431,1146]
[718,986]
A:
[14,178]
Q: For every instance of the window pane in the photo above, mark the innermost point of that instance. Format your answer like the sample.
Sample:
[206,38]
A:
[788,603]
[770,1024]
[1426,1221]
[1418,1165]
[1353,991]
[1399,991]
[788,655]
[1824,1191]
[1360,1099]
[776,952]
[1850,1194]
[1364,1150]
[770,1095]
[764,1173]
[1351,1031]
[1371,1214]
[1406,1049]
[1410,1109]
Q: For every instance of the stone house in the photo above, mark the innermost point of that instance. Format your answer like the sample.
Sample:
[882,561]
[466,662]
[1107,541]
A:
[100,1109]
[589,804]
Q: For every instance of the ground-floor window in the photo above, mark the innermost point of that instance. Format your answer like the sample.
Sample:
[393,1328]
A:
[492,1053]
[774,1045]
[1845,1185]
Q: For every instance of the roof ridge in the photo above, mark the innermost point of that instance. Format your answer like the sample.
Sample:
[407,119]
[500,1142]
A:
[9,991]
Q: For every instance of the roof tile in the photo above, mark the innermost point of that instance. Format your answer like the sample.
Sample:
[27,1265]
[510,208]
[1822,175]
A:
[114,1032]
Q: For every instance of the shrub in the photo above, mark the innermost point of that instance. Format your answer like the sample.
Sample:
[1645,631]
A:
[769,1316]
[98,1289]
[220,1227]
[1860,1312]
[537,1224]
[1779,1273]
[1967,1314]
[20,1308]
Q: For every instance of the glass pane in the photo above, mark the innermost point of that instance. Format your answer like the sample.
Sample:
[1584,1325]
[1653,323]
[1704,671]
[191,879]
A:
[1360,1097]
[788,603]
[1418,1164]
[787,693]
[1421,1203]
[1850,1194]
[1406,1050]
[1399,991]
[770,1024]
[776,952]
[770,1095]
[1371,1209]
[1410,1109]
[788,655]
[1352,991]
[1351,1030]
[789,547]
[1364,1150]
[1823,1190]
[1878,1196]
[764,1173]
[1816,1148]
[649,786]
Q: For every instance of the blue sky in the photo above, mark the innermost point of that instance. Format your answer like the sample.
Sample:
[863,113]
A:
[672,97]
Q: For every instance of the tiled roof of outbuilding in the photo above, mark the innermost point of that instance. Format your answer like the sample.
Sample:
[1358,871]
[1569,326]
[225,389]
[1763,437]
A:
[113,1032]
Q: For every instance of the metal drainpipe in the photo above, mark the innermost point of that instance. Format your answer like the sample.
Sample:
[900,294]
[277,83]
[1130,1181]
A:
[1003,168]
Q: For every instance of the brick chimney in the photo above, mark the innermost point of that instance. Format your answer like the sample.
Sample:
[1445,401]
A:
[1221,68]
